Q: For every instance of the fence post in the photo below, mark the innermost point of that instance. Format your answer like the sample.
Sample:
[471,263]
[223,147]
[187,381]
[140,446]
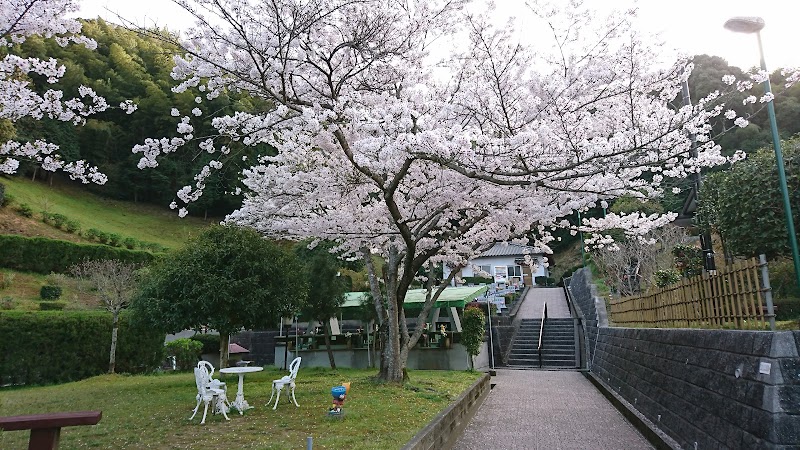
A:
[762,261]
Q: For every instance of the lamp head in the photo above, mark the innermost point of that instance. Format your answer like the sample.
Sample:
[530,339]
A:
[745,24]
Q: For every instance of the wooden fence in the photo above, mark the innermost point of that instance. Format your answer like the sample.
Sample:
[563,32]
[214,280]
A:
[733,298]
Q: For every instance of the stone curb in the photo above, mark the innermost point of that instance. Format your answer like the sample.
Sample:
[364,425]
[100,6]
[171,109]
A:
[656,437]
[443,431]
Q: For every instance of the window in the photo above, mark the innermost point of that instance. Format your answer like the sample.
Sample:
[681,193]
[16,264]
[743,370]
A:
[514,271]
[487,269]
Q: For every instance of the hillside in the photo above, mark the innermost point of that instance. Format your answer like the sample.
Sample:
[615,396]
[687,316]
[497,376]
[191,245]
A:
[146,223]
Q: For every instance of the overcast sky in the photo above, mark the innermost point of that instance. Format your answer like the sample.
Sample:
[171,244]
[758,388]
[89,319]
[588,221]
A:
[691,26]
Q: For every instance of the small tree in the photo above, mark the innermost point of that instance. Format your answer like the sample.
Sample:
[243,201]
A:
[326,288]
[473,332]
[114,282]
[226,279]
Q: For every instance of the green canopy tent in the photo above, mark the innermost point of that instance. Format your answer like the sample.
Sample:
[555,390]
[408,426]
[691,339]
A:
[415,298]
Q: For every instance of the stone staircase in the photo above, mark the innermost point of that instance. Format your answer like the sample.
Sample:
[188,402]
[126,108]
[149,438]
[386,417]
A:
[558,349]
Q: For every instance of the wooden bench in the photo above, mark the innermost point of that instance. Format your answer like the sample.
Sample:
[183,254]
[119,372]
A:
[46,428]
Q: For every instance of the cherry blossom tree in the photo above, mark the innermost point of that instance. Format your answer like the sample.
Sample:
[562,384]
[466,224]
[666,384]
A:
[20,19]
[390,151]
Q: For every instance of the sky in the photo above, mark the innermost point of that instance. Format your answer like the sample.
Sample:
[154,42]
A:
[688,26]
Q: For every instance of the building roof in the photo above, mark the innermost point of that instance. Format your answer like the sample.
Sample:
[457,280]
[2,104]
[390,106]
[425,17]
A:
[236,348]
[415,298]
[505,249]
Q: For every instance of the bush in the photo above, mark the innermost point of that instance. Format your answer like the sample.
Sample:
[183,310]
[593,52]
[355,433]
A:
[130,243]
[210,342]
[48,292]
[42,255]
[478,280]
[114,240]
[56,279]
[52,306]
[24,210]
[41,347]
[782,279]
[186,352]
[72,226]
[7,302]
[787,308]
[664,278]
[473,330]
[6,279]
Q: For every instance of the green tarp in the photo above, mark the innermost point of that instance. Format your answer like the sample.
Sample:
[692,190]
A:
[415,298]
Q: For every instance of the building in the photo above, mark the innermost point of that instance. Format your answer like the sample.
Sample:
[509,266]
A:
[505,263]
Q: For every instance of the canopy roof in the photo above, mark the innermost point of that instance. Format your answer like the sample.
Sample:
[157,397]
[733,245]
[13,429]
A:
[415,298]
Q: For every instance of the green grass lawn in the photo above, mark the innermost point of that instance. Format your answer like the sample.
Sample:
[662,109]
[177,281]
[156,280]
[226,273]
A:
[146,223]
[152,411]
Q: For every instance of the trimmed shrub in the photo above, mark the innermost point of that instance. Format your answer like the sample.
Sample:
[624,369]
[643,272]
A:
[25,210]
[114,240]
[40,347]
[42,255]
[52,306]
[210,342]
[130,243]
[48,292]
[72,226]
[186,352]
[478,280]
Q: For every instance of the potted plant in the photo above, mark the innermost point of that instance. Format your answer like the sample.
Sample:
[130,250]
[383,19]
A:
[445,336]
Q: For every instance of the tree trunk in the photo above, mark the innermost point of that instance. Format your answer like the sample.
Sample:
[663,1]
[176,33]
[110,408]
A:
[224,349]
[391,365]
[327,327]
[112,358]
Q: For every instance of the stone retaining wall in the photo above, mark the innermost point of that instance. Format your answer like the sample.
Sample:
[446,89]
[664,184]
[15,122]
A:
[443,431]
[703,388]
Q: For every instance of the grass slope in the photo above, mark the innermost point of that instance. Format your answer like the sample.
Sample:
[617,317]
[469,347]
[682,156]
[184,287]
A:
[152,411]
[146,223]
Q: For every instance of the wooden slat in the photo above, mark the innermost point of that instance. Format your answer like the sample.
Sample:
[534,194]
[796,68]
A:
[50,420]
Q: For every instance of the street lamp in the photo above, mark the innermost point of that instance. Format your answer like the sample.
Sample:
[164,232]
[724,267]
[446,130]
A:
[751,25]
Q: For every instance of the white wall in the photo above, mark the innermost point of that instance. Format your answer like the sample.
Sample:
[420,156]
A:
[540,271]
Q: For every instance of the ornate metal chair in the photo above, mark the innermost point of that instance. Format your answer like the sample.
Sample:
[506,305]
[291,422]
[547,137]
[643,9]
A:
[277,385]
[208,395]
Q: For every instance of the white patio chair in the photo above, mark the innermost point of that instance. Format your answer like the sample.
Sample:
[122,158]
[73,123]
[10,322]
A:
[214,383]
[207,395]
[277,385]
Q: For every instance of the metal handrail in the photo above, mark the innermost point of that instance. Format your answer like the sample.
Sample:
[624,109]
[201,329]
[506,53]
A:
[541,332]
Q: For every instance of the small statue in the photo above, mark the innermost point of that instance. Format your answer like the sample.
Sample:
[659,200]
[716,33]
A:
[339,394]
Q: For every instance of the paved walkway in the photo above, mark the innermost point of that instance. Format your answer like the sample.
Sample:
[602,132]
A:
[532,409]
[533,303]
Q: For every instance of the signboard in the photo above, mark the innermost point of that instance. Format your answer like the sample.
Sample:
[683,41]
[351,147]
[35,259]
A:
[500,274]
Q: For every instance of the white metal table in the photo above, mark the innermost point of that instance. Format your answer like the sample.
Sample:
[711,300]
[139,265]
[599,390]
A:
[240,403]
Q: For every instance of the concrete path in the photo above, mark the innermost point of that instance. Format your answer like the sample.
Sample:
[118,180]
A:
[533,303]
[531,409]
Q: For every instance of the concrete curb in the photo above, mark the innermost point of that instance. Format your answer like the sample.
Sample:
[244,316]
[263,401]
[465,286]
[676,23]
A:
[444,430]
[656,437]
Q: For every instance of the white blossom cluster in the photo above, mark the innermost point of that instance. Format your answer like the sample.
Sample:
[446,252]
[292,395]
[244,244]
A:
[377,152]
[20,19]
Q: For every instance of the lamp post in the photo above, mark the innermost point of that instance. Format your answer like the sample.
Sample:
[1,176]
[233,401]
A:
[751,25]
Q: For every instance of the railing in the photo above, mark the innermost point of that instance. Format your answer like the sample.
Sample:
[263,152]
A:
[541,332]
[46,428]
[734,298]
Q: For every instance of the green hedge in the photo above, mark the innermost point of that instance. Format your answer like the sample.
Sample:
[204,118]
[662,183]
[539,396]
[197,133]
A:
[478,280]
[41,347]
[42,255]
[210,342]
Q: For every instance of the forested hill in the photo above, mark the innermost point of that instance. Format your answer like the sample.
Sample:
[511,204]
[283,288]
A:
[124,66]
